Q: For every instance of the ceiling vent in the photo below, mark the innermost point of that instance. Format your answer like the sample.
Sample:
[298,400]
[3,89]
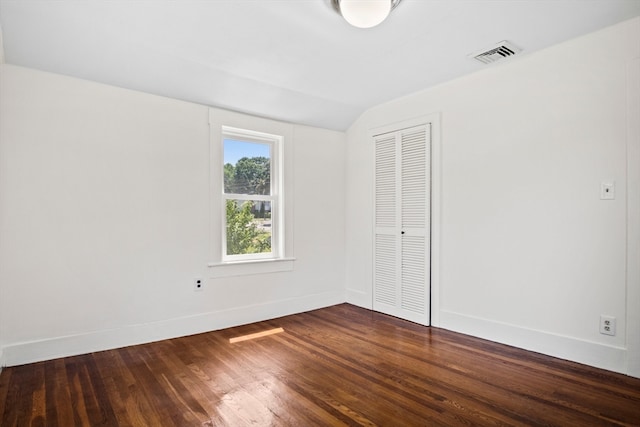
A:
[500,51]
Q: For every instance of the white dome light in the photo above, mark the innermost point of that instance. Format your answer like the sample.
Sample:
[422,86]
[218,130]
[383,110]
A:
[365,13]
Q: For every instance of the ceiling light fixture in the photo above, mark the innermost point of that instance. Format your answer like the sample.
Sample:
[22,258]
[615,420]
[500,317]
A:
[365,13]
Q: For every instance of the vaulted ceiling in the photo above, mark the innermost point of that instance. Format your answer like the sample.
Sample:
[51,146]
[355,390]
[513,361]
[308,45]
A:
[292,60]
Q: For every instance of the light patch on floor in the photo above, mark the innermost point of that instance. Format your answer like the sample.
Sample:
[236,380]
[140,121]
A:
[256,335]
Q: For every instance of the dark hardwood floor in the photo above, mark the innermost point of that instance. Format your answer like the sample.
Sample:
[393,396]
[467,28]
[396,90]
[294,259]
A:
[337,366]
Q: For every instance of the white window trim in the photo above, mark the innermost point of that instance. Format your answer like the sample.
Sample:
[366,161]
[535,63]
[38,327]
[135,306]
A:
[224,122]
[275,143]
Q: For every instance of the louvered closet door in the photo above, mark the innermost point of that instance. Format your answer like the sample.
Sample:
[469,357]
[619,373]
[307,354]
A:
[402,223]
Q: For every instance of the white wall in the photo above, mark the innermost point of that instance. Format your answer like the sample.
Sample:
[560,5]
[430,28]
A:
[529,254]
[105,221]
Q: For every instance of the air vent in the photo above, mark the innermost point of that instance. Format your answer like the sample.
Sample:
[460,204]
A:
[501,51]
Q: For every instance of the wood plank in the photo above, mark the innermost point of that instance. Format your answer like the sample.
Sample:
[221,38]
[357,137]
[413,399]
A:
[342,365]
[5,380]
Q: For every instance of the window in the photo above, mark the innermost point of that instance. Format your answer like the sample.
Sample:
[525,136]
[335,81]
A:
[251,167]
[250,195]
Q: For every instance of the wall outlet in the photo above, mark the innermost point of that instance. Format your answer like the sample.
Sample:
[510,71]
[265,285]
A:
[198,284]
[607,325]
[608,190]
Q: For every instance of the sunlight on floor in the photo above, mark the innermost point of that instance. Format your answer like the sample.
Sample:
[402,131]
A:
[256,335]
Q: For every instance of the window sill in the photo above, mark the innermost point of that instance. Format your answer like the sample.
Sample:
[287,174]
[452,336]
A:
[256,266]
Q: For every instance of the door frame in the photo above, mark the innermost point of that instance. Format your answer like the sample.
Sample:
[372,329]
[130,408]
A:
[434,120]
[633,221]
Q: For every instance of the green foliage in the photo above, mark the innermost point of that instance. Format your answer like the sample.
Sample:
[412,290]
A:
[243,235]
[229,170]
[250,175]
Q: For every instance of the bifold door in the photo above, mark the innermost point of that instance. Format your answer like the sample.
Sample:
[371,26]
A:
[402,223]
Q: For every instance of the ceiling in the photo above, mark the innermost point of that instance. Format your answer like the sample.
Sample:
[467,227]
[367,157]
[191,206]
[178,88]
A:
[291,60]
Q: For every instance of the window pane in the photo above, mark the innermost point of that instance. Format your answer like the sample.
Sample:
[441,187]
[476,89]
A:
[248,227]
[247,167]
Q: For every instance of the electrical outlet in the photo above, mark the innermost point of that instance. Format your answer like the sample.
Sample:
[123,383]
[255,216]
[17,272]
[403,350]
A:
[608,190]
[607,325]
[198,284]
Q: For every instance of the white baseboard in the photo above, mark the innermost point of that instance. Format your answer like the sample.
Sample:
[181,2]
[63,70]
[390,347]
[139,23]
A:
[64,346]
[359,298]
[611,358]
